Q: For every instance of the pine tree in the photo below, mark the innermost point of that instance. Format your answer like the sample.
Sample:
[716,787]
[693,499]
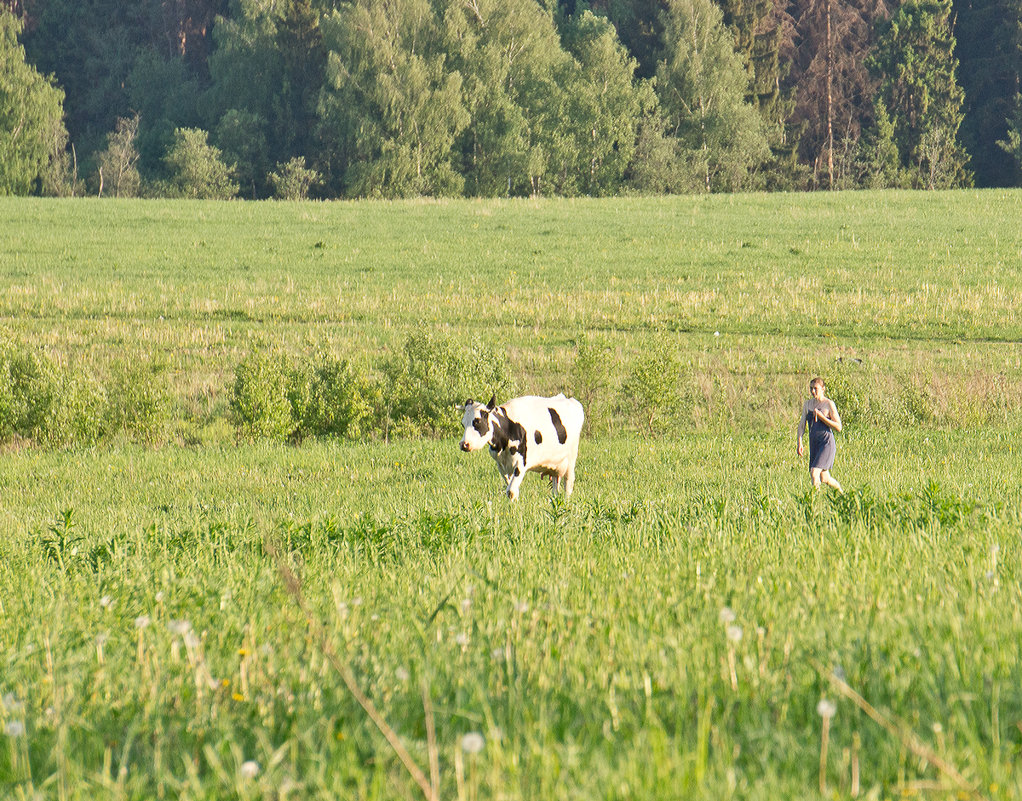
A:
[914,63]
[988,37]
[833,87]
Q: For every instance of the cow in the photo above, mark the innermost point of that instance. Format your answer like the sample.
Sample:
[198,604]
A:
[527,433]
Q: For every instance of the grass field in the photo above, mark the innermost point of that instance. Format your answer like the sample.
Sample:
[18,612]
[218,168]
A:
[694,623]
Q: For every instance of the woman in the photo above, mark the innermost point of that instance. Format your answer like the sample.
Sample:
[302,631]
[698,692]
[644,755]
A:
[820,414]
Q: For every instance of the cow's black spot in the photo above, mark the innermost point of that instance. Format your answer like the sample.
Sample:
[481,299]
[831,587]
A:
[517,434]
[505,432]
[518,472]
[539,438]
[481,424]
[555,418]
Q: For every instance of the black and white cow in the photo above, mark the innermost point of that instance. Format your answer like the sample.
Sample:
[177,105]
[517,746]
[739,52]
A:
[527,433]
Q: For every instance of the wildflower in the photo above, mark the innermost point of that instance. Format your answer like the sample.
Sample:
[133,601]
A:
[473,742]
[734,633]
[12,704]
[402,674]
[179,626]
[727,615]
[142,621]
[191,639]
[14,728]
[826,708]
[249,769]
[461,639]
[106,602]
[466,604]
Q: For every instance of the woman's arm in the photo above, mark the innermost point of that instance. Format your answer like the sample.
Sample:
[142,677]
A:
[803,421]
[831,417]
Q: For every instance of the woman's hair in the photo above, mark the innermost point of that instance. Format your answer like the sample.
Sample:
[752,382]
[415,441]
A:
[816,381]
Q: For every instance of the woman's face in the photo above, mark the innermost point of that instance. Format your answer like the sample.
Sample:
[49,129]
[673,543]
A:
[816,390]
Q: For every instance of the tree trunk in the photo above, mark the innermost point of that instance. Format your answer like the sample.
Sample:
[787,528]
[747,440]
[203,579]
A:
[830,103]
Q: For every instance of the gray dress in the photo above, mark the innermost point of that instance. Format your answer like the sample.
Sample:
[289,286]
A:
[821,444]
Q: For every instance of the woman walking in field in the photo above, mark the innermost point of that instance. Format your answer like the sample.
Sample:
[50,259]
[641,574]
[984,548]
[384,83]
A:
[820,415]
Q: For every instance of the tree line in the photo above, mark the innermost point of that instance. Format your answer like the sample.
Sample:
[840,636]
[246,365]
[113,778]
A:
[397,98]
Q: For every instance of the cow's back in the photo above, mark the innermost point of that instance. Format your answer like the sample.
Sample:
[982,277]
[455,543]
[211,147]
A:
[530,408]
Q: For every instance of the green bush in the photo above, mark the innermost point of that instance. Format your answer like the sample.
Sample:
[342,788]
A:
[343,401]
[653,394]
[196,168]
[138,402]
[431,375]
[72,411]
[590,378]
[264,396]
[293,180]
[25,390]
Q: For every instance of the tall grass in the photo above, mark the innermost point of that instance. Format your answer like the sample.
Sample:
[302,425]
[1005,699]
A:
[752,292]
[662,638]
[669,632]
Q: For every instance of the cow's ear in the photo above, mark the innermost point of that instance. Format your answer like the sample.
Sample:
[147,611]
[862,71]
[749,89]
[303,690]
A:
[493,402]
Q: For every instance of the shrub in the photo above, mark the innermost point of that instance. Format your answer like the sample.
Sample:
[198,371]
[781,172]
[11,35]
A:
[196,168]
[653,390]
[264,396]
[73,412]
[293,180]
[590,377]
[25,379]
[432,374]
[343,401]
[138,402]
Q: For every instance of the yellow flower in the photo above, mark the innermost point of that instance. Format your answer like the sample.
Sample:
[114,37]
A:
[238,697]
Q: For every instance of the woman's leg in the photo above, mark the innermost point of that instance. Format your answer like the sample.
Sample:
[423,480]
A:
[817,475]
[830,481]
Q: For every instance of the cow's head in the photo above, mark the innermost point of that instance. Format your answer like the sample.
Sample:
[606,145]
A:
[477,424]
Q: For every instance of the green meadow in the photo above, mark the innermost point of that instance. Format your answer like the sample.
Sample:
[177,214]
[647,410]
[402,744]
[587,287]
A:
[206,613]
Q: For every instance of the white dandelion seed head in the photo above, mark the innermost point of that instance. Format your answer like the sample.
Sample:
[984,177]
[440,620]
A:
[179,626]
[734,633]
[142,621]
[402,674]
[102,638]
[727,615]
[461,639]
[473,742]
[466,604]
[716,333]
[106,602]
[12,704]
[14,728]
[191,639]
[159,597]
[249,769]
[521,607]
[826,708]
[497,654]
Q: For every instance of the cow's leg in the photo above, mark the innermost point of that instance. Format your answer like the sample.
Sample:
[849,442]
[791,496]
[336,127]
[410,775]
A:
[569,480]
[514,485]
[555,482]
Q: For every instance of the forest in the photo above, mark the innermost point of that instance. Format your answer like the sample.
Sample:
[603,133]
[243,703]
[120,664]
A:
[491,98]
